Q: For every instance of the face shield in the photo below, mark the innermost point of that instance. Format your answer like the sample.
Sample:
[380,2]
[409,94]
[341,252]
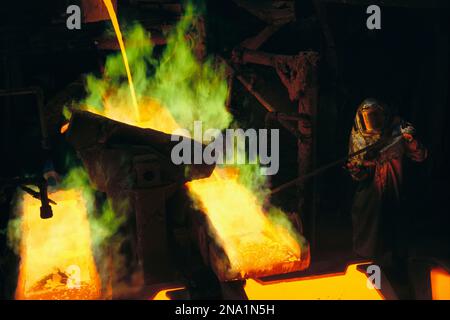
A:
[370,119]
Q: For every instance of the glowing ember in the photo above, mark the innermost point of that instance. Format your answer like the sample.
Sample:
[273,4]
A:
[64,128]
[56,256]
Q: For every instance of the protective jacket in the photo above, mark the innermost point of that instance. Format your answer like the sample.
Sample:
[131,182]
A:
[377,211]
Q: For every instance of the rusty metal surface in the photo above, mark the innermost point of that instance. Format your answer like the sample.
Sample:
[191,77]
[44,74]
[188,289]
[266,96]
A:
[95,10]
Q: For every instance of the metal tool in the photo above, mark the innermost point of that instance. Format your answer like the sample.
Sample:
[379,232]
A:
[41,183]
[381,144]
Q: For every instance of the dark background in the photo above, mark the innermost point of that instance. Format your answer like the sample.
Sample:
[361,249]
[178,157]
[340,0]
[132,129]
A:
[404,64]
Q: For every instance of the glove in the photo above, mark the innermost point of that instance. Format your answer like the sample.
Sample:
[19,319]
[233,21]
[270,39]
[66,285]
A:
[407,131]
[353,167]
[360,171]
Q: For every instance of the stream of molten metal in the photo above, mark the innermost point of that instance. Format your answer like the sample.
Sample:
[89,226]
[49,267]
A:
[115,23]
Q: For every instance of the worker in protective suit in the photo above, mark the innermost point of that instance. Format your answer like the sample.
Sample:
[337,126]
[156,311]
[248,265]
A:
[377,216]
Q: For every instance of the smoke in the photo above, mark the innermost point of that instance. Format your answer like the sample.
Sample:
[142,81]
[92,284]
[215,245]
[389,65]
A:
[13,234]
[108,219]
[104,222]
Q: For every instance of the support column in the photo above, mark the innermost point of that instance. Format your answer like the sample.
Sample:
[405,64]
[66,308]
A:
[307,104]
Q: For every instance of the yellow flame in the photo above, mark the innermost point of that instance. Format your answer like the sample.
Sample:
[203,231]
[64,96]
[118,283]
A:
[115,22]
[52,249]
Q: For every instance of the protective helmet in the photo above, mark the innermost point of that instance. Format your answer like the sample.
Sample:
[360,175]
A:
[371,117]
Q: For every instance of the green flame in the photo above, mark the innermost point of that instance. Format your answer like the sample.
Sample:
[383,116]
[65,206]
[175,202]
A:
[191,90]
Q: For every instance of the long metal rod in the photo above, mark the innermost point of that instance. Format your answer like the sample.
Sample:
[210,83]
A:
[332,164]
[288,117]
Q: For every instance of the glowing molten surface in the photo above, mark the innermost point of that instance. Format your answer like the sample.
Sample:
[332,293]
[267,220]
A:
[440,284]
[352,285]
[252,242]
[152,114]
[162,295]
[56,256]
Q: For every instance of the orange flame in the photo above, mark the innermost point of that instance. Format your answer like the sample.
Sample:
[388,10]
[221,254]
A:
[56,256]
